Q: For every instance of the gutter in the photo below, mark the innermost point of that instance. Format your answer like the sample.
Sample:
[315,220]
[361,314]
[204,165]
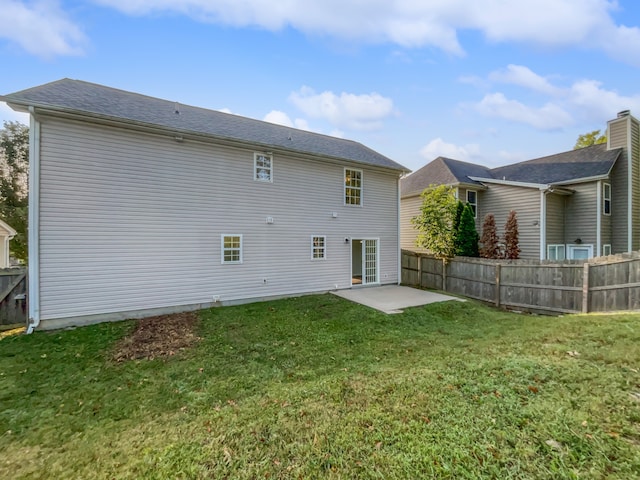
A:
[34,223]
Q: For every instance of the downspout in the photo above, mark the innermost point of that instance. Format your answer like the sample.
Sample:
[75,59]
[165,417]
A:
[398,232]
[543,223]
[599,219]
[34,222]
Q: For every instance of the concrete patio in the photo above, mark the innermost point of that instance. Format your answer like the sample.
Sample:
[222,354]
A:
[393,298]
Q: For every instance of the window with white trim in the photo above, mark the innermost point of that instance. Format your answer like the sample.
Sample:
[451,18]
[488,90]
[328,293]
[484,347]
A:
[318,247]
[262,167]
[231,248]
[472,200]
[606,249]
[606,199]
[555,252]
[352,187]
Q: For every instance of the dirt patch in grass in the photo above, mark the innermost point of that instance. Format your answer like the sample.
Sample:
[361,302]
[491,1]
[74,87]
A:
[157,337]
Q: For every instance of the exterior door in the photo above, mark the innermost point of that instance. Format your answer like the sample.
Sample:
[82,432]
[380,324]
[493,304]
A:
[365,263]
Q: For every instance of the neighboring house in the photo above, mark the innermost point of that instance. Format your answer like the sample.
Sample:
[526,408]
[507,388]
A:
[6,234]
[577,204]
[140,206]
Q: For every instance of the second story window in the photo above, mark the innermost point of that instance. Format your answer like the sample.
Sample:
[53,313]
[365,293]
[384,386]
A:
[352,187]
[262,167]
[606,199]
[472,200]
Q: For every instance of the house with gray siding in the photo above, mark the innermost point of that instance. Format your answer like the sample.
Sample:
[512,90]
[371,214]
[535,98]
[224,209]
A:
[141,206]
[578,204]
[6,234]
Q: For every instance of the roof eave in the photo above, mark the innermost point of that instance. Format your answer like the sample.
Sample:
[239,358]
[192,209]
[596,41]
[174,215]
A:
[539,186]
[42,108]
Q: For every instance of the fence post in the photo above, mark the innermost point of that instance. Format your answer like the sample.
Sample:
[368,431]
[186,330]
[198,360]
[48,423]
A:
[585,288]
[444,274]
[498,268]
[419,269]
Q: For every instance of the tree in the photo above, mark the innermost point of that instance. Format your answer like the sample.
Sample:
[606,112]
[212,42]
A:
[511,244]
[436,221]
[456,224]
[590,138]
[467,236]
[14,169]
[490,246]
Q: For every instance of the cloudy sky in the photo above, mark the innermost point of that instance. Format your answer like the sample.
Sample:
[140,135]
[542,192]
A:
[487,81]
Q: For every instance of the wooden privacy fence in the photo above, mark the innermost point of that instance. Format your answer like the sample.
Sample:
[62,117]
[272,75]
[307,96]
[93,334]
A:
[13,296]
[602,284]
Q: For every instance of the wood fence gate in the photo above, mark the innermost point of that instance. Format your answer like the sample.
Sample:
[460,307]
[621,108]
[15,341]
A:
[13,296]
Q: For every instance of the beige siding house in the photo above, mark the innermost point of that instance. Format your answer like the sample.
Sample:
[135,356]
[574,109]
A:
[143,206]
[577,204]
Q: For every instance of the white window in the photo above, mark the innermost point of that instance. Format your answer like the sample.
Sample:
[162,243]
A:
[262,167]
[555,252]
[318,247]
[472,200]
[606,199]
[579,252]
[231,249]
[606,250]
[352,187]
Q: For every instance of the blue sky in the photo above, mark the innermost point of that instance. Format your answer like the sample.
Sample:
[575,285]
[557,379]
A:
[486,81]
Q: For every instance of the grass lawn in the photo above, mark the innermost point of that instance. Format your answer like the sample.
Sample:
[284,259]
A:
[318,387]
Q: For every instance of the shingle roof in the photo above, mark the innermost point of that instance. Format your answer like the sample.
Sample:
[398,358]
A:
[564,167]
[440,171]
[561,168]
[88,98]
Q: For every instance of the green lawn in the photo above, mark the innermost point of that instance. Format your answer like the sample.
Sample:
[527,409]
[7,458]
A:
[317,387]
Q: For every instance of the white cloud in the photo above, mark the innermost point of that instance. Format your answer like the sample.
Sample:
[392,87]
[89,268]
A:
[524,77]
[41,28]
[439,148]
[225,110]
[348,110]
[547,117]
[281,118]
[597,104]
[584,101]
[416,23]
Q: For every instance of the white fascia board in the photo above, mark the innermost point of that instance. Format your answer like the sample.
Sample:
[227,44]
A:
[539,186]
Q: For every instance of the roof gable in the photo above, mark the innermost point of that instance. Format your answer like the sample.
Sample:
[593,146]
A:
[561,168]
[75,96]
[441,171]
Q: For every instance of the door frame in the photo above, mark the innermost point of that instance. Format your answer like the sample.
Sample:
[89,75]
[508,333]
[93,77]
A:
[363,261]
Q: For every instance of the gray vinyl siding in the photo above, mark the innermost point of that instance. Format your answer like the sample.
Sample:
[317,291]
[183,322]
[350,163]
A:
[580,214]
[619,187]
[555,228]
[500,200]
[132,221]
[409,208]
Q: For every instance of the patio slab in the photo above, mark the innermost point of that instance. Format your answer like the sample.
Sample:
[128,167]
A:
[393,298]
